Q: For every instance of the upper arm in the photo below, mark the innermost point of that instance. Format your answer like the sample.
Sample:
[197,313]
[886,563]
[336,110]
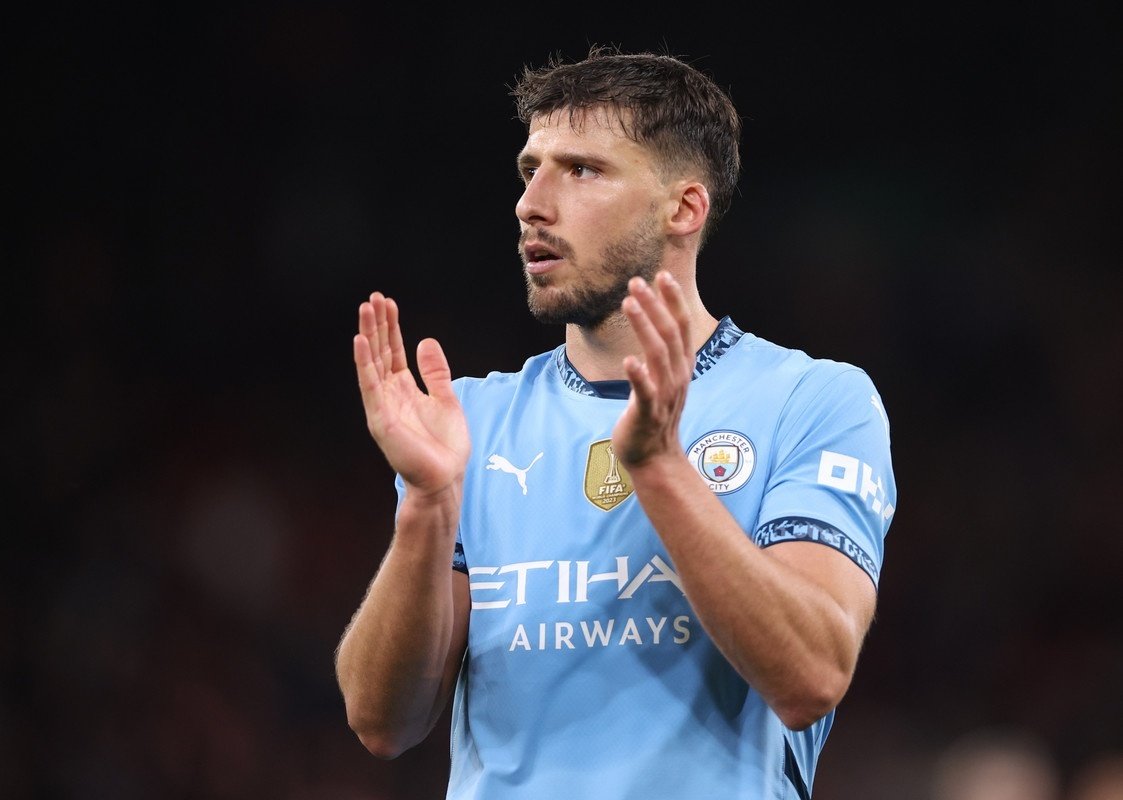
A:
[848,585]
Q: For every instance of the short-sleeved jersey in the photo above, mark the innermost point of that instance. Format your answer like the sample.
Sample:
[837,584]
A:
[587,673]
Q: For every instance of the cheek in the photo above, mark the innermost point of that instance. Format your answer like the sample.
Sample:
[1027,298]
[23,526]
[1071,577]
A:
[604,217]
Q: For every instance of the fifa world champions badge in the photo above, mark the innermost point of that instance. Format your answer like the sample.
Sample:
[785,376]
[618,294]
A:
[726,460]
[607,483]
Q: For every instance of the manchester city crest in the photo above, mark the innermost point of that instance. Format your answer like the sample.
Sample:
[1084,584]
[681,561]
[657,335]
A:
[725,459]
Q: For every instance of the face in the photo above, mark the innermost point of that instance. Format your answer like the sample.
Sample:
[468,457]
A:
[589,217]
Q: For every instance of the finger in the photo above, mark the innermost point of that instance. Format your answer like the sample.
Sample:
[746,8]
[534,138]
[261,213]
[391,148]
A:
[397,346]
[368,329]
[654,301]
[671,292]
[366,319]
[370,382]
[641,373]
[433,366]
[650,320]
[380,344]
[669,326]
[638,377]
[360,348]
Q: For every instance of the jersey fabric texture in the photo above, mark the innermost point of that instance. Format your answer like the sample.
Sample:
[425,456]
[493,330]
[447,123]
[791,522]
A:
[587,673]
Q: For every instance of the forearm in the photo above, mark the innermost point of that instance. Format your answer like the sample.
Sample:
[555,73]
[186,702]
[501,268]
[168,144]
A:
[391,660]
[783,631]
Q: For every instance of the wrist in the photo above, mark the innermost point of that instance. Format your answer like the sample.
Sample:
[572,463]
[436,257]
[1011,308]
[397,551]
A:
[426,524]
[661,469]
[432,503]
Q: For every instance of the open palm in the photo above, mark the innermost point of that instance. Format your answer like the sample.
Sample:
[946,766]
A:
[424,436]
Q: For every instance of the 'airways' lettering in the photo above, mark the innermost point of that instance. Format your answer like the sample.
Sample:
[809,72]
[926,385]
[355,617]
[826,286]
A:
[567,581]
[598,633]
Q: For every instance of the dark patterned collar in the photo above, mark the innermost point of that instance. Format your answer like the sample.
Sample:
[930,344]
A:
[724,337]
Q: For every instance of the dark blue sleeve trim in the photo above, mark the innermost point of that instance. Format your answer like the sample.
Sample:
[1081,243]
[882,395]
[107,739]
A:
[459,562]
[802,529]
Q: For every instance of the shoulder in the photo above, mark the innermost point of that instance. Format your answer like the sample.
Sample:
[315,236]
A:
[800,373]
[498,383]
[806,390]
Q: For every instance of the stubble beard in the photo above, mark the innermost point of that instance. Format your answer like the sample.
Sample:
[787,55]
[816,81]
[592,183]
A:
[590,305]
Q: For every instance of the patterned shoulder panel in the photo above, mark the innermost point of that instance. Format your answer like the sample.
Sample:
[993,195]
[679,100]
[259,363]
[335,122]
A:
[724,337]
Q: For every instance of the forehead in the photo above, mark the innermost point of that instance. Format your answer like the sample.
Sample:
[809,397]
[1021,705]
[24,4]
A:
[596,130]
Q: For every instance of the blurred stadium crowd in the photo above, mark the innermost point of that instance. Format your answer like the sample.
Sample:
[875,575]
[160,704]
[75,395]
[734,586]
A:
[198,509]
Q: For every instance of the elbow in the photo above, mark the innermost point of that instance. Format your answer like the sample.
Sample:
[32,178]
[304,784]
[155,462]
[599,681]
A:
[798,719]
[801,709]
[381,741]
[381,746]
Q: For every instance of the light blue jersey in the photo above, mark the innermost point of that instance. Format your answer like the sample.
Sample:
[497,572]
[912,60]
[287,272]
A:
[587,673]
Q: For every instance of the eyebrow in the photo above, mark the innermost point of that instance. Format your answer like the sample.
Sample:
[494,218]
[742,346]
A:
[525,160]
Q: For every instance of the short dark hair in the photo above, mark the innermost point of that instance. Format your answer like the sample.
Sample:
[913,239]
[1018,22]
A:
[672,106]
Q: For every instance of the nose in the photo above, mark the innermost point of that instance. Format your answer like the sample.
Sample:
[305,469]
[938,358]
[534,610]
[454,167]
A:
[536,206]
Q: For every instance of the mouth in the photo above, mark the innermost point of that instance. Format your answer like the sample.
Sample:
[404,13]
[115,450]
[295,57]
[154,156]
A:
[539,258]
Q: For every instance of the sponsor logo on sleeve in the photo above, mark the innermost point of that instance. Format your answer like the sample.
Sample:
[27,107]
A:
[848,474]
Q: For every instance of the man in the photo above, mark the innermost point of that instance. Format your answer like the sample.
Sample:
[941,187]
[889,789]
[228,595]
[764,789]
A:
[665,535]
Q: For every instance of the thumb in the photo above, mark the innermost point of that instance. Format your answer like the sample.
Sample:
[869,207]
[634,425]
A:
[433,366]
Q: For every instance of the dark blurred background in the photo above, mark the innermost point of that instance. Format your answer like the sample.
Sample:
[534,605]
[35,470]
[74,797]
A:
[203,196]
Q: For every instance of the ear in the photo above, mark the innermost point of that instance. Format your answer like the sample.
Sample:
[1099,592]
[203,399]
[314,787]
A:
[692,207]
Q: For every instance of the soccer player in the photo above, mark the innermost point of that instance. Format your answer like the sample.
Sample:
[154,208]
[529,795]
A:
[642,566]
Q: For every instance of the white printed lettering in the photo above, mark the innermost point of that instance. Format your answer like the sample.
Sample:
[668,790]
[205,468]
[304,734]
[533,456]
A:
[563,581]
[563,638]
[870,489]
[598,633]
[838,471]
[520,570]
[683,631]
[630,632]
[584,579]
[520,640]
[842,472]
[482,585]
[573,585]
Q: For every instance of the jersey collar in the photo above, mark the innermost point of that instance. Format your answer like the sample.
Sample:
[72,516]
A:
[724,336]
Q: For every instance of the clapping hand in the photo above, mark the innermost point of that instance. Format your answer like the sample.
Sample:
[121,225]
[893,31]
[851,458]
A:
[424,436]
[649,426]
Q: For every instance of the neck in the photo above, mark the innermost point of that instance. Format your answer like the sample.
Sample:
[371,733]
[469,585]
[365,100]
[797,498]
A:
[598,353]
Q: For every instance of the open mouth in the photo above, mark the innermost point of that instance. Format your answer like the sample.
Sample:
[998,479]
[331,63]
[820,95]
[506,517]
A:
[539,258]
[535,253]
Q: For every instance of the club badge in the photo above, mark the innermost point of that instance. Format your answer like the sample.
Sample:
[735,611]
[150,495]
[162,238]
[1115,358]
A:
[725,459]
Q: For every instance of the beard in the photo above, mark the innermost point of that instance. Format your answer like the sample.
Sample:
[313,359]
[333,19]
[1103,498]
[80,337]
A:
[589,305]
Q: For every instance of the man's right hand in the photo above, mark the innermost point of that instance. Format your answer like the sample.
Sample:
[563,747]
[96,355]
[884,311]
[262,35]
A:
[423,436]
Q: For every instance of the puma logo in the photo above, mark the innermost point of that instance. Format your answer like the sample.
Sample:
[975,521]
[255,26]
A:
[500,463]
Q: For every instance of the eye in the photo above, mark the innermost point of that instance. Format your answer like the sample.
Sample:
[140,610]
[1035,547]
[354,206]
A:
[526,173]
[582,171]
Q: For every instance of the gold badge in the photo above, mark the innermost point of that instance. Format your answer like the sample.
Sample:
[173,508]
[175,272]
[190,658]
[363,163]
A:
[607,484]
